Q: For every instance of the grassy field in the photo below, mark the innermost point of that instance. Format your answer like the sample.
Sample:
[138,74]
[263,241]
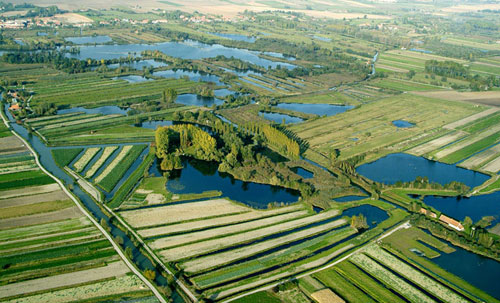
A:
[372,125]
[64,157]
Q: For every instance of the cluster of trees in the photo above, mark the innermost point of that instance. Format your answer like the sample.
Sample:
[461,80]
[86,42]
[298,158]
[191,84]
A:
[447,69]
[424,183]
[173,141]
[203,90]
[359,222]
[56,59]
[275,138]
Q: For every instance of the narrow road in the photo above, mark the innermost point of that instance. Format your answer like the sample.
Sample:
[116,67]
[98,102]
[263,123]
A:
[386,234]
[89,188]
[84,211]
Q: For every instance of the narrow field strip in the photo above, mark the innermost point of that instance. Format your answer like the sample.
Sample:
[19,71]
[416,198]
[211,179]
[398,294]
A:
[413,275]
[436,143]
[233,289]
[493,166]
[121,155]
[36,208]
[471,149]
[214,222]
[27,200]
[45,238]
[43,244]
[44,118]
[389,279]
[472,118]
[67,213]
[112,270]
[204,263]
[223,231]
[59,226]
[482,157]
[468,141]
[225,274]
[192,250]
[41,124]
[87,292]
[108,151]
[181,212]
[76,122]
[86,158]
[32,190]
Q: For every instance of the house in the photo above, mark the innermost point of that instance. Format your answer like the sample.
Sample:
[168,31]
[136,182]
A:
[15,107]
[451,222]
[427,213]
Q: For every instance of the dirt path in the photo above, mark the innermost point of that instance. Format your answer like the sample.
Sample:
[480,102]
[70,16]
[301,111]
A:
[89,188]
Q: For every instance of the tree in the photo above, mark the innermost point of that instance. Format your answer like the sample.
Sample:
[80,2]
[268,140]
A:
[169,95]
[150,274]
[359,222]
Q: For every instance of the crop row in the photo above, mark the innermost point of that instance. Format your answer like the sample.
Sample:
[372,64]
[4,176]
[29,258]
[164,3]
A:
[119,166]
[108,151]
[65,156]
[86,158]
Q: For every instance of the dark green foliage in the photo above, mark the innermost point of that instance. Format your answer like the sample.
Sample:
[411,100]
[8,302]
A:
[110,181]
[23,179]
[64,156]
[446,69]
[131,181]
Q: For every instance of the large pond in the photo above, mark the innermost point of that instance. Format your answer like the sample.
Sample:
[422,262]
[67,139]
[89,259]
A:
[186,50]
[403,167]
[89,39]
[280,118]
[235,37]
[200,176]
[133,78]
[193,99]
[475,207]
[402,124]
[477,270]
[317,109]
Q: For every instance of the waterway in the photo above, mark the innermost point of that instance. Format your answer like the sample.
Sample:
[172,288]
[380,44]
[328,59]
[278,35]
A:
[89,39]
[280,118]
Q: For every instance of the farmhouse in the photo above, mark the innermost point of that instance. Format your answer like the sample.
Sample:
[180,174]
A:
[14,107]
[451,222]
[427,213]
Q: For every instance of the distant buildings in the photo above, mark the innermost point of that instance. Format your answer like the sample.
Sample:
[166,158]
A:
[443,219]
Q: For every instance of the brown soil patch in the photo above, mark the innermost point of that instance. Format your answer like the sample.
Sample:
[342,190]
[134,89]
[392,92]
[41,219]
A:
[32,190]
[26,200]
[67,213]
[486,98]
[11,145]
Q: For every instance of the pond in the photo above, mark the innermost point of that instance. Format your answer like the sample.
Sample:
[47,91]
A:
[199,176]
[138,65]
[402,124]
[317,109]
[236,37]
[405,168]
[19,41]
[304,173]
[89,39]
[133,78]
[477,270]
[104,110]
[193,76]
[194,99]
[188,49]
[374,215]
[154,124]
[475,207]
[279,55]
[322,38]
[279,118]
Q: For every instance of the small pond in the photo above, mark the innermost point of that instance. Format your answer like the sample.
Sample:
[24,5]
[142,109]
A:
[317,109]
[193,99]
[89,39]
[138,65]
[236,37]
[304,173]
[405,168]
[374,215]
[154,124]
[133,78]
[402,124]
[279,118]
[322,38]
[199,176]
